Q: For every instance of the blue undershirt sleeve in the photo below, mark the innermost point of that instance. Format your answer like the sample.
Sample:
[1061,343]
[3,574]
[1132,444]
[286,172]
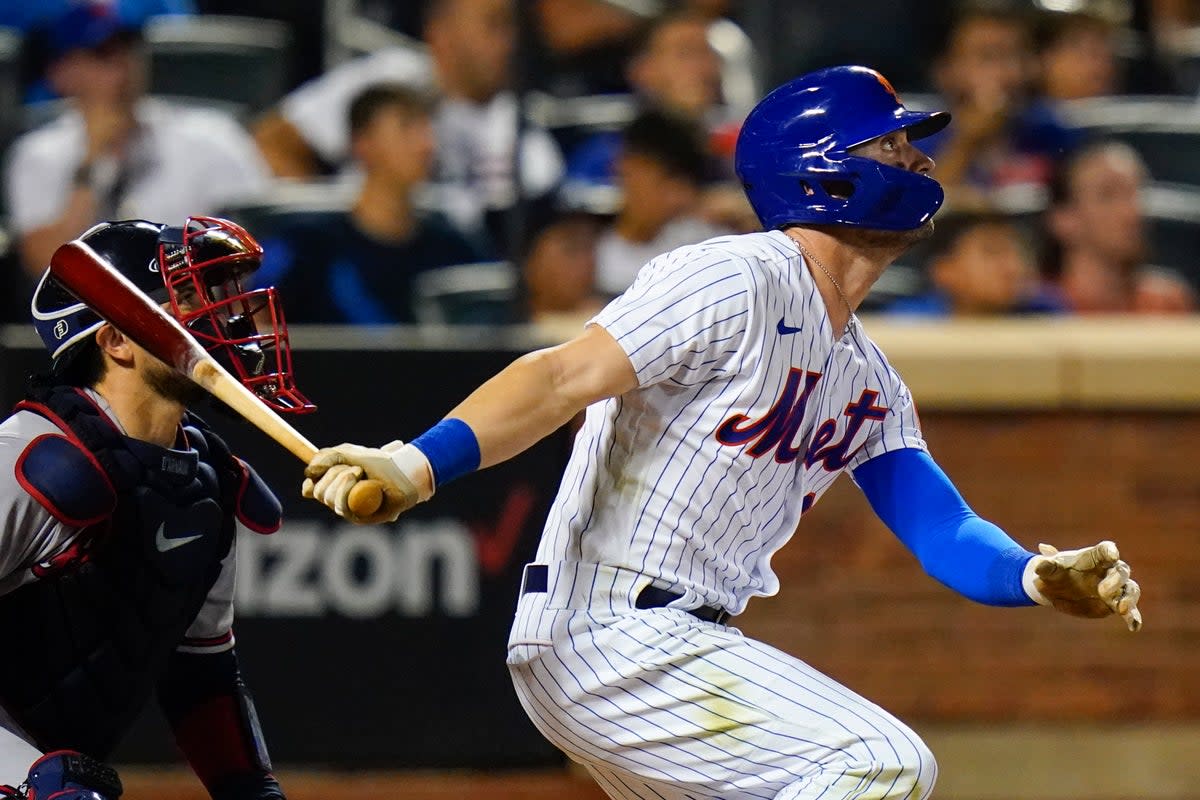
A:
[975,558]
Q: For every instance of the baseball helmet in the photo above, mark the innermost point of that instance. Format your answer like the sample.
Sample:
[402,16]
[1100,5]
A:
[197,269]
[793,154]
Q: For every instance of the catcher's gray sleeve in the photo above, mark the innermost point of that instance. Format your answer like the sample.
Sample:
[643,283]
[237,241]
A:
[212,629]
[29,532]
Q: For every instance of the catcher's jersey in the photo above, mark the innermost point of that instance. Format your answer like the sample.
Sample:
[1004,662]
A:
[31,536]
[748,408]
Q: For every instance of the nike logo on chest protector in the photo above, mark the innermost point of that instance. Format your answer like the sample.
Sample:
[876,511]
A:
[163,543]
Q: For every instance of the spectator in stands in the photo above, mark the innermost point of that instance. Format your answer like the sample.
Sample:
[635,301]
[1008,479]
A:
[978,263]
[35,18]
[1077,56]
[560,269]
[582,45]
[673,69]
[358,267]
[470,44]
[115,153]
[985,72]
[1097,249]
[1170,20]
[31,16]
[885,34]
[660,173]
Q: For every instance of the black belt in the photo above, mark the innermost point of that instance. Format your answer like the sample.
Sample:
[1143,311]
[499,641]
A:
[537,580]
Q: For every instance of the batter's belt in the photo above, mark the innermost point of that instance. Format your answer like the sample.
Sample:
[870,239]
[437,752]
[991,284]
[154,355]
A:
[579,585]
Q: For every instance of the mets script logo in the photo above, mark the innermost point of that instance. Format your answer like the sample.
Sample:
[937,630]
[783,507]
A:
[777,429]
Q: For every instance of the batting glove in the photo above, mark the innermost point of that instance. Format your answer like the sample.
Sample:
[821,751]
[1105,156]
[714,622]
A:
[1090,582]
[403,470]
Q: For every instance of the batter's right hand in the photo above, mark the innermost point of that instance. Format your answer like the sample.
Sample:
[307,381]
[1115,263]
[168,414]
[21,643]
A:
[402,469]
[1089,582]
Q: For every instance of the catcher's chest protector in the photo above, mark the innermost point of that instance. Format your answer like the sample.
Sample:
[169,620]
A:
[90,636]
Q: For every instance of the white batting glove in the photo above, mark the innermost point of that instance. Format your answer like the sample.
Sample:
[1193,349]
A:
[403,469]
[1090,582]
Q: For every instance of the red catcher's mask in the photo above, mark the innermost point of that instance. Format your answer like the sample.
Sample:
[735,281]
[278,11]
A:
[203,264]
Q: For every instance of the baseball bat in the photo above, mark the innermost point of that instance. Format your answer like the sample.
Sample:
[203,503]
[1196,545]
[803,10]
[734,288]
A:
[111,295]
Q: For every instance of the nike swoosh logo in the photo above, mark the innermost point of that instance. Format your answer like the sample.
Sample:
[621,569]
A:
[785,330]
[164,544]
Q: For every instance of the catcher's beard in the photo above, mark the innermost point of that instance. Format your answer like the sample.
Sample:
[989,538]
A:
[170,384]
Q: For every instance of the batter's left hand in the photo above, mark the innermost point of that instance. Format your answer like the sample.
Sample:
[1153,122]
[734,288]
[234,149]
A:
[334,471]
[1090,582]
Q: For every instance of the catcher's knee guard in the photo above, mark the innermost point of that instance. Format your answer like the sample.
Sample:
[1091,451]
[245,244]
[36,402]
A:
[68,775]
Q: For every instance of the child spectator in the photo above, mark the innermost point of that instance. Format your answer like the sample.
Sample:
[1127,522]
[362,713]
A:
[660,173]
[359,267]
[978,264]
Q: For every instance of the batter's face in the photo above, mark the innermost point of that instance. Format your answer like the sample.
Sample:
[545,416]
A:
[895,150]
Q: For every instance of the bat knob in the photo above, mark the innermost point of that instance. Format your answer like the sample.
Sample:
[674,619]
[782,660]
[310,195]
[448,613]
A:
[366,497]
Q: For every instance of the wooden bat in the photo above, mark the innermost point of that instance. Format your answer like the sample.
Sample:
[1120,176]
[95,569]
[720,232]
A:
[111,295]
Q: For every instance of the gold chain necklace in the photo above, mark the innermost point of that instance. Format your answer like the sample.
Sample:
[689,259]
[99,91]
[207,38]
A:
[837,286]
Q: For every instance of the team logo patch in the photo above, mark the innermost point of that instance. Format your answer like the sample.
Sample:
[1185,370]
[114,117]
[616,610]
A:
[60,329]
[887,85]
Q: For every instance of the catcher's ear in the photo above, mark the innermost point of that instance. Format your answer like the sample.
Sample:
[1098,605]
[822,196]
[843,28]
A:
[115,345]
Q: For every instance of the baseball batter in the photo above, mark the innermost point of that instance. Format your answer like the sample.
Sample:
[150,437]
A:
[725,391]
[120,511]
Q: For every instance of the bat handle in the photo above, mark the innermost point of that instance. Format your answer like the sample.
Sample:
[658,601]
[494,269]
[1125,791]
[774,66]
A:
[366,496]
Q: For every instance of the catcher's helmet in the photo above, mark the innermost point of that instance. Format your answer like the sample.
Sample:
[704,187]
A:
[793,154]
[198,269]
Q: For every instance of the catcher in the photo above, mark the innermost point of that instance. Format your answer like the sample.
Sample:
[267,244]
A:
[120,511]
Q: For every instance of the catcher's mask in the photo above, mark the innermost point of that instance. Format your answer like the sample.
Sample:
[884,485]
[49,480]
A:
[202,265]
[198,269]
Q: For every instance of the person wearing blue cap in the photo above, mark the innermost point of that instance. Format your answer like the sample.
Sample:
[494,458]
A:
[32,17]
[113,152]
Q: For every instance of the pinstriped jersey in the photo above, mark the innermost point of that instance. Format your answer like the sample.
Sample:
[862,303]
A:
[748,408]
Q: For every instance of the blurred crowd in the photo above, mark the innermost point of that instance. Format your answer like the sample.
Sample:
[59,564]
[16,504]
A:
[495,161]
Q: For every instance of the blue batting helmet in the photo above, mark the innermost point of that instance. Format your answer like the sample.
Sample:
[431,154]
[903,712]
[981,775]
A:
[793,154]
